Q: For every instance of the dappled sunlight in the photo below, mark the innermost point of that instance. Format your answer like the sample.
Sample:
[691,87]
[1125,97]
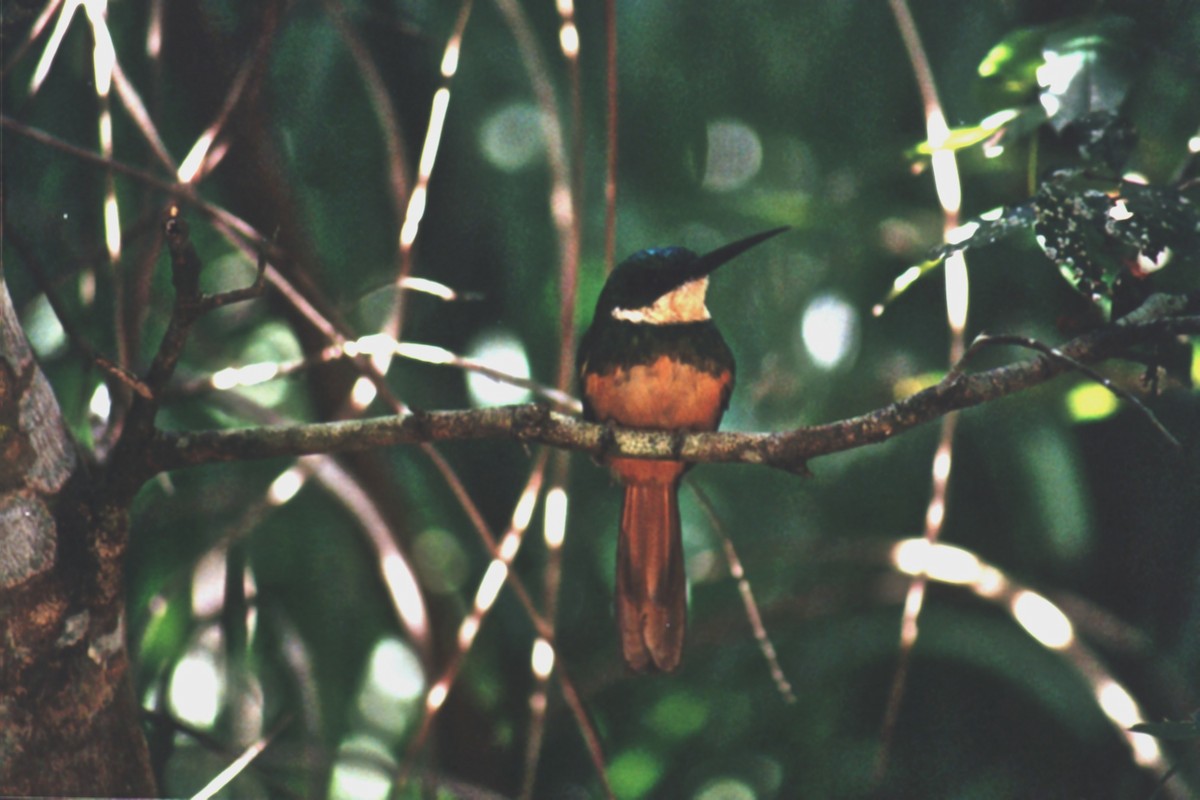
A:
[1118,704]
[249,375]
[542,659]
[556,517]
[940,562]
[1056,74]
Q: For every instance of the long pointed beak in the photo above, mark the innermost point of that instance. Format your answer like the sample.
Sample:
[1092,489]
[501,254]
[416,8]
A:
[709,262]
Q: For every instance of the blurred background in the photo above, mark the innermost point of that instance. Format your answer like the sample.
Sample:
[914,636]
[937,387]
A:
[257,591]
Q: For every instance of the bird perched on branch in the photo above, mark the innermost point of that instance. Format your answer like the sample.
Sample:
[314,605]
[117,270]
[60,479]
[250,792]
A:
[653,359]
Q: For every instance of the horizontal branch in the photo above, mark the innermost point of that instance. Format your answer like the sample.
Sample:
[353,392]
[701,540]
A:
[1162,316]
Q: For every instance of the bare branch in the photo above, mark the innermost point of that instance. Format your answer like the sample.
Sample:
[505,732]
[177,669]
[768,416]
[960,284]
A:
[1161,316]
[984,340]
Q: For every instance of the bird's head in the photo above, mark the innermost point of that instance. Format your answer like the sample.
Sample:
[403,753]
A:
[666,285]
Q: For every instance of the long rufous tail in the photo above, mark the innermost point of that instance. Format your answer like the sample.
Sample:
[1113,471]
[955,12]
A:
[651,582]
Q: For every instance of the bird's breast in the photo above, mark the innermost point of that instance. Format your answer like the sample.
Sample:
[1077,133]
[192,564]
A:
[664,393]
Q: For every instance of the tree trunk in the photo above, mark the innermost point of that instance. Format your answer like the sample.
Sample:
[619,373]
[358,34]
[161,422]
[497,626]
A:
[69,720]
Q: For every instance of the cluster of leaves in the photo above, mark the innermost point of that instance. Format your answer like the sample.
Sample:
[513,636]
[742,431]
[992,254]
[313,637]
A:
[1107,241]
[1106,234]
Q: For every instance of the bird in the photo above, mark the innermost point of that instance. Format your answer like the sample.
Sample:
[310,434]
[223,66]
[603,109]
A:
[652,358]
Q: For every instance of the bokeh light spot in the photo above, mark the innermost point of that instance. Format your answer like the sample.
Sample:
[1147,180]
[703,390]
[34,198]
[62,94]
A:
[735,155]
[725,789]
[197,688]
[440,561]
[44,331]
[829,331]
[393,687]
[634,773]
[1091,401]
[362,770]
[100,405]
[502,352]
[511,138]
[1042,619]
[678,715]
[271,344]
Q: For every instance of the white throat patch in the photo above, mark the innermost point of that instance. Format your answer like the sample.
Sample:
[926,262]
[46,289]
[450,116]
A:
[685,304]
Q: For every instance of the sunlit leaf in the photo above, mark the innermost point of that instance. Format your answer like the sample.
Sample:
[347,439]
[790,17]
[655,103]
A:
[1086,68]
[961,138]
[1013,62]
[1067,233]
[992,226]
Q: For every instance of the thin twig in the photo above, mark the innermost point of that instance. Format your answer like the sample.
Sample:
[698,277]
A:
[78,342]
[470,626]
[35,31]
[241,229]
[586,728]
[985,340]
[561,199]
[414,202]
[738,573]
[949,192]
[239,764]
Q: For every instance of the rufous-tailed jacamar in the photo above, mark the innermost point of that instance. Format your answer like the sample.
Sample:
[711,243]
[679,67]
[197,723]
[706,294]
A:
[653,359]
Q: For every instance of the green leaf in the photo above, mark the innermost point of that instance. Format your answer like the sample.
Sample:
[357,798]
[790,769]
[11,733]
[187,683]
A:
[961,138]
[1086,68]
[1012,63]
[989,227]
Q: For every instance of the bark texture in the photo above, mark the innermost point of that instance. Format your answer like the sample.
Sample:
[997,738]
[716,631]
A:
[69,721]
